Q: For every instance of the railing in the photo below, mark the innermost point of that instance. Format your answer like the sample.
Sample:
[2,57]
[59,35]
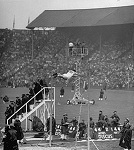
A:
[29,113]
[25,105]
[40,104]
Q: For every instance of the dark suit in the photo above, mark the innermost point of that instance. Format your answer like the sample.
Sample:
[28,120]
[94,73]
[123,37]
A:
[10,141]
[53,125]
[64,128]
[127,138]
[37,88]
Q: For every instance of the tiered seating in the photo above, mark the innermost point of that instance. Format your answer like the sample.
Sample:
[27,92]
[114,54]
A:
[109,64]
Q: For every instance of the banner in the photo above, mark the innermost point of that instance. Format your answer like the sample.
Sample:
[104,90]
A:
[96,133]
[107,133]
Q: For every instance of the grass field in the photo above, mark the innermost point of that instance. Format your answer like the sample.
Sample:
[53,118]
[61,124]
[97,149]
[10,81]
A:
[120,100]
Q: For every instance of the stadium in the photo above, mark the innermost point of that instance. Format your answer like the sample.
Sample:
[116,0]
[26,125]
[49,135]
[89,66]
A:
[31,55]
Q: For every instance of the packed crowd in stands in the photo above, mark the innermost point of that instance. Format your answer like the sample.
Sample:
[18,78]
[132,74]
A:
[110,61]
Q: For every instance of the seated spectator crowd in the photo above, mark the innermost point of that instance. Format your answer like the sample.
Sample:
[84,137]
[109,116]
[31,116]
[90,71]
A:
[113,64]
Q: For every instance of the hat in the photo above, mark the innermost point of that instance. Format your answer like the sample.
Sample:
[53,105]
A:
[114,111]
[65,114]
[128,125]
[127,119]
[91,118]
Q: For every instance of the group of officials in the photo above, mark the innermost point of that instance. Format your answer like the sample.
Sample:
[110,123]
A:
[103,121]
[20,101]
[13,133]
[64,126]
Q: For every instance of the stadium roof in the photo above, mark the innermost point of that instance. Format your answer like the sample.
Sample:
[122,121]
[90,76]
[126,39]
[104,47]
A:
[84,17]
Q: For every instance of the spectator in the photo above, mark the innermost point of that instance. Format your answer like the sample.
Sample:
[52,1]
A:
[4,132]
[10,140]
[37,124]
[62,92]
[92,124]
[115,119]
[82,128]
[8,113]
[128,137]
[18,105]
[5,99]
[107,122]
[24,100]
[122,133]
[17,125]
[53,127]
[31,94]
[101,95]
[37,88]
[100,122]
[64,127]
[125,140]
[74,122]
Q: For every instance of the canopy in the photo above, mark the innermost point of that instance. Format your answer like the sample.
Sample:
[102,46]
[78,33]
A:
[84,17]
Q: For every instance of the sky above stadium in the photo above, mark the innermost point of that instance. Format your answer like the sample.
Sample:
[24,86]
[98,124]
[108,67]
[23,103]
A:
[20,11]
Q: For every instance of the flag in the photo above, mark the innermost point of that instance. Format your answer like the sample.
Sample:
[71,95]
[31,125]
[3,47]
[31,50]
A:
[14,22]
[28,20]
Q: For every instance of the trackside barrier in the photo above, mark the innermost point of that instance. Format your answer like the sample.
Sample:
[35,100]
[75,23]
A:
[96,133]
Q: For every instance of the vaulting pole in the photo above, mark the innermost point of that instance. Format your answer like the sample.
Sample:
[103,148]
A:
[88,140]
[50,140]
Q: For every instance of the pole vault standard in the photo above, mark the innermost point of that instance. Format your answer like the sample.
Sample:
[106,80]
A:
[79,54]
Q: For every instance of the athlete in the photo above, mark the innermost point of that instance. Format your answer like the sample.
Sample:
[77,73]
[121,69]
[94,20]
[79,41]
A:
[66,76]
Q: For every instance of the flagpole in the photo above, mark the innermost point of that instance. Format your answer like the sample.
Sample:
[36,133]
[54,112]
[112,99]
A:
[28,20]
[14,22]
